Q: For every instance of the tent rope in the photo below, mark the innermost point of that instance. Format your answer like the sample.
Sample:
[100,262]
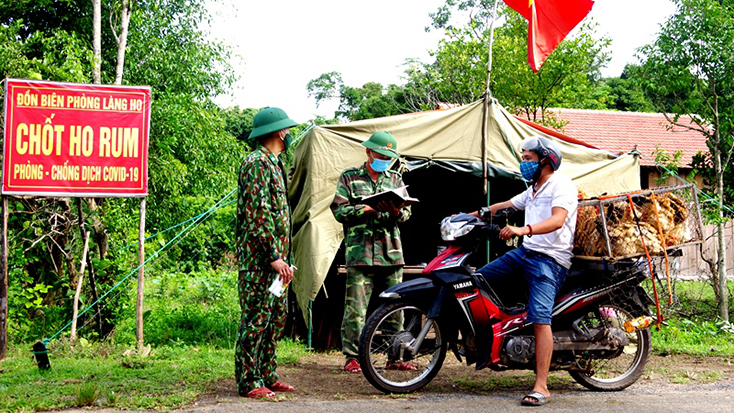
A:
[184,222]
[194,221]
[221,200]
[155,255]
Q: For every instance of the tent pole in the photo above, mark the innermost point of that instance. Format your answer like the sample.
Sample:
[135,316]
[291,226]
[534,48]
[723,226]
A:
[310,323]
[485,116]
[488,204]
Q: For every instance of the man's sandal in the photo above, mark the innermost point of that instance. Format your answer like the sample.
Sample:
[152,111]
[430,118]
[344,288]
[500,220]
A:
[280,386]
[352,366]
[401,366]
[534,399]
[260,393]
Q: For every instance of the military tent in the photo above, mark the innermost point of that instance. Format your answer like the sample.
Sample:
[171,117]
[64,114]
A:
[447,142]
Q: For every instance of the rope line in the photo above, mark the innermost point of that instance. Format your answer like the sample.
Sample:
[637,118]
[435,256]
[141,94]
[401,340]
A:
[195,221]
[155,255]
[300,136]
[184,222]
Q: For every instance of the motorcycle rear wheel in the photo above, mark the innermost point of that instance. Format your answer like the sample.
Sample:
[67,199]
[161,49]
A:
[390,328]
[617,370]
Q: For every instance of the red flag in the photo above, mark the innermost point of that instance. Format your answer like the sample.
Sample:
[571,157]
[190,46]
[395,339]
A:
[549,22]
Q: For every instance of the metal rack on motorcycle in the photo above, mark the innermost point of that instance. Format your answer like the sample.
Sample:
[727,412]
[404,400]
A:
[653,224]
[621,226]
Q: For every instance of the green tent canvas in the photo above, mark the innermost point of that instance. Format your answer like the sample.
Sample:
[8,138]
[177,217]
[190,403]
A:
[451,138]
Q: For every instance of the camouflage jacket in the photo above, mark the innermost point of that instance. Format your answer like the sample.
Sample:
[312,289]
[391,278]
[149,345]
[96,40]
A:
[369,239]
[263,232]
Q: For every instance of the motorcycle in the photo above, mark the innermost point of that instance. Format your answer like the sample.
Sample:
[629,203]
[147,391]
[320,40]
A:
[600,319]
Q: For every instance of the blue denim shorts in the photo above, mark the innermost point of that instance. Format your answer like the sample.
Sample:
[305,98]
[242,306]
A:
[542,273]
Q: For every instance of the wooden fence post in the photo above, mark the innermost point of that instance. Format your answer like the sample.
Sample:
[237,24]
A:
[141,276]
[4,285]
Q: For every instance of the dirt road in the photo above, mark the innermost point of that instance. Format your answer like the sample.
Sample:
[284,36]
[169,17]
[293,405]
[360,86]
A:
[680,383]
[670,384]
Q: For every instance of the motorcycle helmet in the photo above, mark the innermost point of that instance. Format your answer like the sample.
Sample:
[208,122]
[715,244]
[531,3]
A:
[545,148]
[457,226]
[269,120]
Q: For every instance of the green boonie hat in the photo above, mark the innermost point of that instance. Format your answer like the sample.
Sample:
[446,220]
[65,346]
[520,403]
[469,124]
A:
[269,120]
[382,143]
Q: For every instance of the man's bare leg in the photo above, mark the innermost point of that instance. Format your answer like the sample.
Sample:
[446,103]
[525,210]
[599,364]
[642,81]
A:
[543,354]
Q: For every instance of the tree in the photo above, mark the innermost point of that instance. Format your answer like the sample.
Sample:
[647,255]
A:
[372,100]
[192,158]
[622,93]
[238,122]
[689,70]
[458,74]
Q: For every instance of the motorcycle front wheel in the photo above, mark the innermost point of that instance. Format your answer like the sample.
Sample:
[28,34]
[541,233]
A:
[613,370]
[384,357]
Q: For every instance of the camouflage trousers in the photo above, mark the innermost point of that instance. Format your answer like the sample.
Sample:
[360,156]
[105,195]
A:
[361,281]
[261,326]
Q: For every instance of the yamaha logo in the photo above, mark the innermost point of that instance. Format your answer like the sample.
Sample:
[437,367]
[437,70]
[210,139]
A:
[462,285]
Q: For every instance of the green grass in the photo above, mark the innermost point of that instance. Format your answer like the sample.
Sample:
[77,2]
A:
[98,374]
[192,319]
[694,324]
[696,337]
[291,352]
[689,376]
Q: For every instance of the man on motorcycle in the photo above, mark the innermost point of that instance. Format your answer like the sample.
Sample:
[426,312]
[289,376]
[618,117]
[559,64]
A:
[544,257]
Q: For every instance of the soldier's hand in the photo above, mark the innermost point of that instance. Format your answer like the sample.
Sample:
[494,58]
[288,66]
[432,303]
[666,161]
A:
[284,270]
[389,207]
[368,209]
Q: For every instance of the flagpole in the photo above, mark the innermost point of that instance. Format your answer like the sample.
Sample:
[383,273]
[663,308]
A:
[485,118]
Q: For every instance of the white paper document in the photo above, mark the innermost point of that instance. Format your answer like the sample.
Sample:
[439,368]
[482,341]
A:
[277,287]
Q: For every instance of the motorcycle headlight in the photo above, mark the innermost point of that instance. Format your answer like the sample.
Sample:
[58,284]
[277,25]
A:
[450,231]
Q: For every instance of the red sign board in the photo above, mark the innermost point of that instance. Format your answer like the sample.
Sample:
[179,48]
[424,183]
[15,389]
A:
[67,139]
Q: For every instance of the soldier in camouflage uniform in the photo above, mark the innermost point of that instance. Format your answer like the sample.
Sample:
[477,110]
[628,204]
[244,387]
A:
[263,241]
[373,250]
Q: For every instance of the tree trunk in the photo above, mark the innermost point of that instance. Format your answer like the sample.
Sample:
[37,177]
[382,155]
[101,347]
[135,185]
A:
[92,274]
[122,39]
[721,250]
[97,42]
[75,305]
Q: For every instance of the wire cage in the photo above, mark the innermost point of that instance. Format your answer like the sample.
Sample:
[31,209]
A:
[650,222]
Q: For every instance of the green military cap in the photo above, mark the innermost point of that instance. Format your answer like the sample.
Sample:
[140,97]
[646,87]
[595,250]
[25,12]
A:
[383,143]
[269,120]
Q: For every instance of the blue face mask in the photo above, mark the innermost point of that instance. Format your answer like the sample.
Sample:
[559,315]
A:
[287,141]
[380,165]
[528,169]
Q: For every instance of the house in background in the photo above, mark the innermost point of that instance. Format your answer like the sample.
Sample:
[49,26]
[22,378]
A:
[622,132]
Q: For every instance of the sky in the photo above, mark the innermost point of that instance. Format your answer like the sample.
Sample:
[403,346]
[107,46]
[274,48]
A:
[280,46]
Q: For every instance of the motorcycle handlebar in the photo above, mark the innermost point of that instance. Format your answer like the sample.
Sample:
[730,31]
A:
[504,213]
